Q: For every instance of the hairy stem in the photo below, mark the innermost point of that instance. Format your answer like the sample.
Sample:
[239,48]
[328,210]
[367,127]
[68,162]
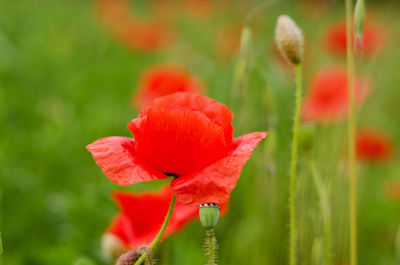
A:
[293,163]
[160,233]
[325,211]
[350,135]
[211,245]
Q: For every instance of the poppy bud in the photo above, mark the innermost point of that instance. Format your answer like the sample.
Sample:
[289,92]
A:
[306,137]
[209,214]
[359,18]
[111,246]
[289,39]
[128,258]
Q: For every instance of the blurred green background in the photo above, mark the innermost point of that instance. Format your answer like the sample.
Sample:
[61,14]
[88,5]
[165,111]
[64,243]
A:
[65,82]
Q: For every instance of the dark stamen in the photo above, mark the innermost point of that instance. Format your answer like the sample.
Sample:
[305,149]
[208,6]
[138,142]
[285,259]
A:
[171,175]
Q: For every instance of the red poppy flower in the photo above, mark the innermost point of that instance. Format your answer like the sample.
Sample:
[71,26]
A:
[373,39]
[327,98]
[164,80]
[373,146]
[184,135]
[137,34]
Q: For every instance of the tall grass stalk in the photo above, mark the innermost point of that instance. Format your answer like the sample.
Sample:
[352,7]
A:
[350,135]
[324,204]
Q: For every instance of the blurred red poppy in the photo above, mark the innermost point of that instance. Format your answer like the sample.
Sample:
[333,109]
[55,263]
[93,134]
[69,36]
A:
[137,34]
[374,39]
[373,146]
[163,80]
[328,95]
[391,190]
[184,135]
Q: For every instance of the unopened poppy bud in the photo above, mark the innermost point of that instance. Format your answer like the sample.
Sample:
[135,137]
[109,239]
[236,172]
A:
[128,258]
[359,17]
[289,39]
[112,247]
[306,137]
[209,214]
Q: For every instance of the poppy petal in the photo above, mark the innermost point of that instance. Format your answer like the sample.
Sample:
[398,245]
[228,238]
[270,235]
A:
[177,142]
[215,182]
[146,211]
[116,156]
[217,112]
[142,215]
[121,227]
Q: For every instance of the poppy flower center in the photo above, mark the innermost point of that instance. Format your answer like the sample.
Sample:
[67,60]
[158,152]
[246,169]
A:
[171,175]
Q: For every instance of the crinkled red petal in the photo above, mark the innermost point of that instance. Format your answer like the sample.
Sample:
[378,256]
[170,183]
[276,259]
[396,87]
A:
[217,112]
[177,141]
[215,182]
[116,156]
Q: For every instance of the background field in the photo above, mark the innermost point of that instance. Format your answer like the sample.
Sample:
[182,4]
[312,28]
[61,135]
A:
[65,82]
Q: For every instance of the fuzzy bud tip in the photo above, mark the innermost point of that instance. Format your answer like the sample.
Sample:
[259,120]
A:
[128,258]
[289,39]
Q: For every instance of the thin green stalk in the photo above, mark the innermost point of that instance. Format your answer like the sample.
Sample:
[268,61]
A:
[293,163]
[160,233]
[350,135]
[211,243]
[325,211]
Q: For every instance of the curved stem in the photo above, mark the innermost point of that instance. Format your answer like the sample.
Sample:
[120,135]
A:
[350,135]
[325,210]
[160,233]
[211,243]
[293,162]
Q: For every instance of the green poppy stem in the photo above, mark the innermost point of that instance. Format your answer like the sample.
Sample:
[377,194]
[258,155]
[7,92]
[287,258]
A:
[211,244]
[293,163]
[350,135]
[160,233]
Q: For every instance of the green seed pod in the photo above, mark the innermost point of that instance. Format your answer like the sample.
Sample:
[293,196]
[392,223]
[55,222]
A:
[306,137]
[359,17]
[209,214]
